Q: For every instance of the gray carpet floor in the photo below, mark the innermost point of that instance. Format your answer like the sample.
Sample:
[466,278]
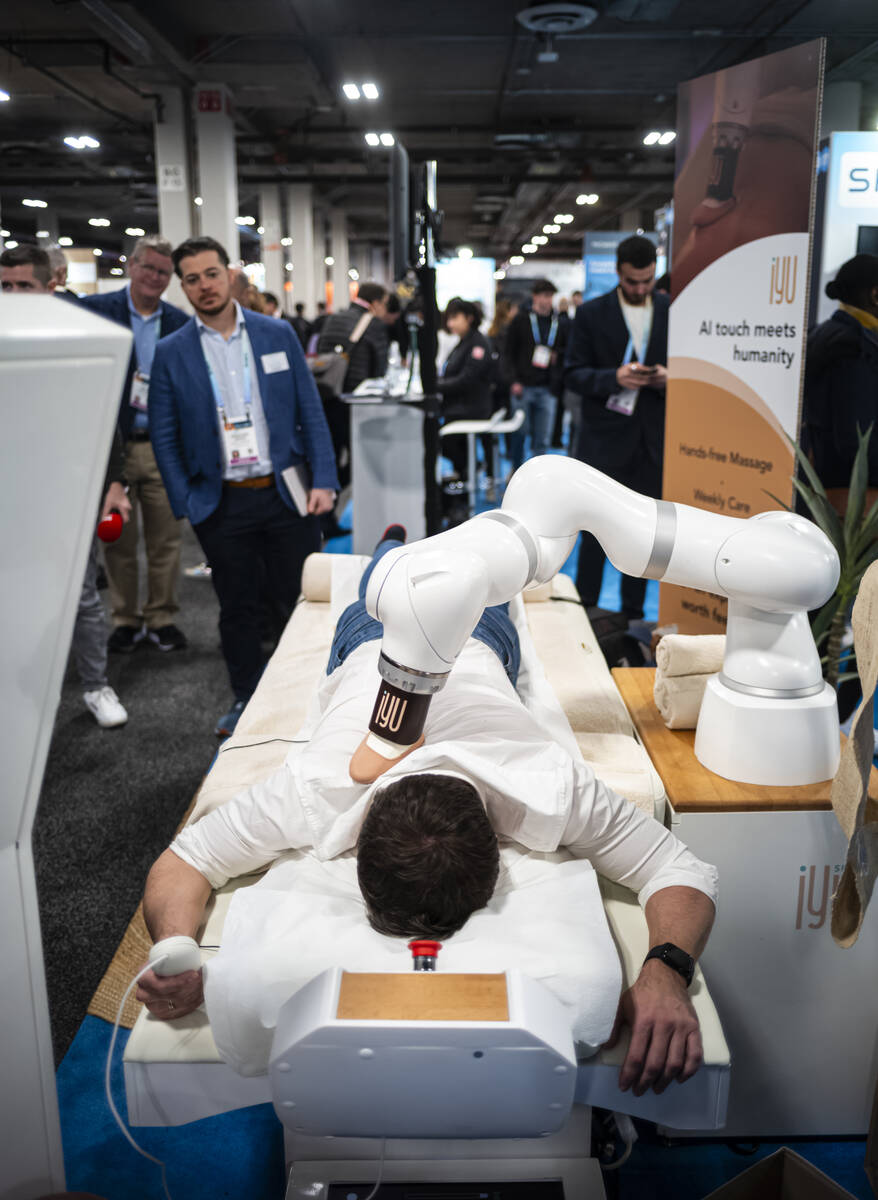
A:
[111,799]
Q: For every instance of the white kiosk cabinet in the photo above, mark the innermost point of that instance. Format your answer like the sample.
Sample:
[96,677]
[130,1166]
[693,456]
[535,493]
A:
[61,375]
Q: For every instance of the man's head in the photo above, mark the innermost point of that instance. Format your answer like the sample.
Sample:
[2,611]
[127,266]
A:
[300,309]
[57,265]
[392,310]
[427,857]
[462,316]
[543,297]
[635,264]
[374,296]
[576,299]
[150,268]
[270,305]
[26,269]
[203,267]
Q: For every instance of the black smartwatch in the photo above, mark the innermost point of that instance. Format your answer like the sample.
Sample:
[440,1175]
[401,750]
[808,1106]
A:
[675,958]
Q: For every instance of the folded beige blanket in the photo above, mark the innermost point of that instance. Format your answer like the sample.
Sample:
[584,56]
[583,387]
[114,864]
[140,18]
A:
[678,699]
[685,654]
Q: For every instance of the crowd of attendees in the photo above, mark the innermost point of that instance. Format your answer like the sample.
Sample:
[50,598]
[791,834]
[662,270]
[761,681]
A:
[222,422]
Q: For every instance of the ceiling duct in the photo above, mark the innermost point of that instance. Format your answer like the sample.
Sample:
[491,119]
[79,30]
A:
[548,19]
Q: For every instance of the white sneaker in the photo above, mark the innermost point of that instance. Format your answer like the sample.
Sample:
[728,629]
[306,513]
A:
[104,706]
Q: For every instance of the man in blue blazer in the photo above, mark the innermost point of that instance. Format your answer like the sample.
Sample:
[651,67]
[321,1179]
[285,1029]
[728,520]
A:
[244,449]
[140,308]
[616,355]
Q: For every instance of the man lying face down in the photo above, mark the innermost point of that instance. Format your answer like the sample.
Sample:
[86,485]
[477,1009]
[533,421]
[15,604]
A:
[426,832]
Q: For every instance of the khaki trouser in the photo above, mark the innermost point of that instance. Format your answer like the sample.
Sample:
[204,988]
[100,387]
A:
[161,533]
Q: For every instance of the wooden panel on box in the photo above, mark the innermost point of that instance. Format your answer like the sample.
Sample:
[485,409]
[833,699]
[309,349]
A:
[422,996]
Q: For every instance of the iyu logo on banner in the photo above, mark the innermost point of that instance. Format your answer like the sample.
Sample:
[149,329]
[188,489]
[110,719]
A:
[858,179]
[784,273]
[815,883]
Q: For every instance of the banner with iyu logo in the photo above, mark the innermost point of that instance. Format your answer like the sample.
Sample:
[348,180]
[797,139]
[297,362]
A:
[743,213]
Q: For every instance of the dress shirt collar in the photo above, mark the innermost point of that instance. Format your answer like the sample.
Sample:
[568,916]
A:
[133,310]
[239,324]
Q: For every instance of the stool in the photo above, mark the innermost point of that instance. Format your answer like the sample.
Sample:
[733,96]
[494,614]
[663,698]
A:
[472,429]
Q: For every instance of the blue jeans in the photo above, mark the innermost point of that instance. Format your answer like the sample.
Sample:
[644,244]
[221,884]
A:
[539,408]
[355,626]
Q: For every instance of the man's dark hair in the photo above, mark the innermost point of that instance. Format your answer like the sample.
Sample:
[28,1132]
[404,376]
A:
[543,287]
[638,252]
[370,292]
[198,245]
[271,298]
[471,310]
[21,256]
[393,304]
[427,857]
[300,308]
[854,281]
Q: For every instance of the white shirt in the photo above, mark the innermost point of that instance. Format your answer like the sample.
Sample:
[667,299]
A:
[535,793]
[226,360]
[638,318]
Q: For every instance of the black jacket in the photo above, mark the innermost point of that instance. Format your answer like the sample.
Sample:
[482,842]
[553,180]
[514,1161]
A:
[465,384]
[841,392]
[368,356]
[610,440]
[520,348]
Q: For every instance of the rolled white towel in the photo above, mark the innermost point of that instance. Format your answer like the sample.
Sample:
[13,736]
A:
[687,654]
[678,699]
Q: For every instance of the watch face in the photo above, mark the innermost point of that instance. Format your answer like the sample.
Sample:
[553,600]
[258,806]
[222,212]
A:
[677,959]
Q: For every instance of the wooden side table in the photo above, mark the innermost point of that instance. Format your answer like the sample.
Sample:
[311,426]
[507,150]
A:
[798,1012]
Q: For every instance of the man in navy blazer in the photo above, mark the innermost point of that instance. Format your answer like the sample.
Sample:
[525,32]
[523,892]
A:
[140,308]
[236,424]
[616,355]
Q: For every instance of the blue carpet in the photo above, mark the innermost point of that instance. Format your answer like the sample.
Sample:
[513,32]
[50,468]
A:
[235,1155]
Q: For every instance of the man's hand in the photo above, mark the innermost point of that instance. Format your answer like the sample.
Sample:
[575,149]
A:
[630,379]
[516,389]
[660,378]
[665,1037]
[170,996]
[116,500]
[320,501]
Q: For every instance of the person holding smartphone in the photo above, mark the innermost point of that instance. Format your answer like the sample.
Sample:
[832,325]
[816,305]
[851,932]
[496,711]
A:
[615,362]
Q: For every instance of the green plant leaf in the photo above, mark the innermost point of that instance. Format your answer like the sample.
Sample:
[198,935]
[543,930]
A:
[824,515]
[822,622]
[857,491]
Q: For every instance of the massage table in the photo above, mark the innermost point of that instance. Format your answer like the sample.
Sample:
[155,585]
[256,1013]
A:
[173,1070]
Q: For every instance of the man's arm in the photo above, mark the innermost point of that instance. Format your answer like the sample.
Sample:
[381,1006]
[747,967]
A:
[166,434]
[511,351]
[173,903]
[582,373]
[315,430]
[677,892]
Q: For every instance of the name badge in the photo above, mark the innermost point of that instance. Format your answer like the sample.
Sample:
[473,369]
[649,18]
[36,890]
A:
[542,356]
[139,392]
[278,361]
[623,402]
[239,442]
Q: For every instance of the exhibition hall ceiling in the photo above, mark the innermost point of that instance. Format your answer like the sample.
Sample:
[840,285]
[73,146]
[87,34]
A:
[521,118]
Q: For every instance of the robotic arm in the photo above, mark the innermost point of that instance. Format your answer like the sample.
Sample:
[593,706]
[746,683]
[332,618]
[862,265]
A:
[773,568]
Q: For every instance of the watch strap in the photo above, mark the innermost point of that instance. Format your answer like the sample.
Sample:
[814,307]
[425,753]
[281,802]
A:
[675,958]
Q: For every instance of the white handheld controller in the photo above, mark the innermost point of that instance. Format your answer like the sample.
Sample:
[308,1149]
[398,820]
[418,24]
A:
[183,954]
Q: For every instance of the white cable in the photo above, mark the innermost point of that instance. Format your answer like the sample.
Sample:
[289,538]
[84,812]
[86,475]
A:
[113,1109]
[628,1134]
[374,1191]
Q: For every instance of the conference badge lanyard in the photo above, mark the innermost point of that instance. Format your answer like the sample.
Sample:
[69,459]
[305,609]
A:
[625,401]
[139,393]
[542,355]
[238,433]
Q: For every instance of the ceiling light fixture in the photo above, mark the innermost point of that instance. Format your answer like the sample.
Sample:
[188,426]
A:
[245,220]
[372,139]
[11,245]
[287,241]
[123,258]
[351,91]
[354,274]
[135,231]
[96,252]
[42,233]
[260,229]
[199,201]
[116,271]
[464,252]
[516,260]
[370,91]
[4,96]
[288,266]
[99,222]
[551,229]
[652,138]
[500,274]
[4,233]
[539,240]
[329,260]
[35,204]
[563,218]
[667,137]
[62,241]
[387,139]
[83,142]
[529,248]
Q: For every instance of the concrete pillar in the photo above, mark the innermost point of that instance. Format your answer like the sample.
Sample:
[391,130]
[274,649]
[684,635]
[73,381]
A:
[340,253]
[273,253]
[173,177]
[842,103]
[300,223]
[217,165]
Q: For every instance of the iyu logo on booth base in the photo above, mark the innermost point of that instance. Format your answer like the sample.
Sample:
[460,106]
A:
[784,274]
[821,884]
